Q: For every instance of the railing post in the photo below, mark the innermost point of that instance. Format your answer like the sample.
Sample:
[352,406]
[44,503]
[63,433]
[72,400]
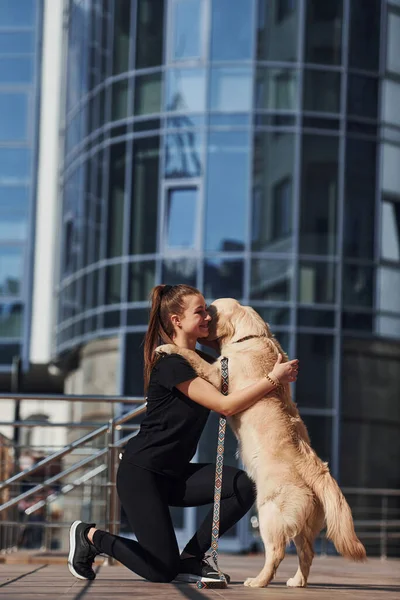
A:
[383,537]
[111,485]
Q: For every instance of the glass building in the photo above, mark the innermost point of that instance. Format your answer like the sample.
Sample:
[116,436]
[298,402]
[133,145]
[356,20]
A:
[20,60]
[250,148]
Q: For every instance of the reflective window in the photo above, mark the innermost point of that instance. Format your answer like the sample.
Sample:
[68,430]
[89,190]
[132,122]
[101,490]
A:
[390,168]
[230,89]
[144,198]
[390,223]
[272,202]
[119,100]
[315,318]
[187,28]
[271,279]
[359,205]
[357,321]
[7,353]
[11,320]
[362,96]
[11,266]
[314,388]
[320,432]
[388,326]
[16,70]
[358,285]
[391,102]
[389,289]
[113,285]
[183,152]
[273,315]
[180,218]
[17,14]
[231,29]
[228,178]
[317,282]
[321,91]
[185,90]
[277,30]
[181,270]
[122,21]
[364,34]
[16,42]
[393,46]
[276,89]
[148,91]
[324,32]
[15,165]
[141,281]
[13,116]
[223,278]
[14,204]
[319,195]
[150,33]
[115,221]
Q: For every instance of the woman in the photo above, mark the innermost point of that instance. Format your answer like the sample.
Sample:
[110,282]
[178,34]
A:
[155,472]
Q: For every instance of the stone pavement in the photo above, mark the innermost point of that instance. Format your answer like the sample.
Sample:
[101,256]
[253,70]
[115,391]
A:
[331,577]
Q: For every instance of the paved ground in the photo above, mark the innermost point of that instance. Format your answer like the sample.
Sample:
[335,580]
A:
[330,578]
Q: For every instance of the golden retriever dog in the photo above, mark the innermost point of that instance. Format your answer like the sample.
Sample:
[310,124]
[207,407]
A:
[296,494]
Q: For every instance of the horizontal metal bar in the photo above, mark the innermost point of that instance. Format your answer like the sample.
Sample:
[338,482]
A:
[69,425]
[370,491]
[54,456]
[51,480]
[73,398]
[130,415]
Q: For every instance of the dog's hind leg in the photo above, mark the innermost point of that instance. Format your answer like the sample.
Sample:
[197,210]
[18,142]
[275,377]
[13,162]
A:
[274,544]
[305,553]
[304,546]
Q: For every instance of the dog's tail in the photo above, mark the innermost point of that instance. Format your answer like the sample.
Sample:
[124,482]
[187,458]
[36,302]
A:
[339,520]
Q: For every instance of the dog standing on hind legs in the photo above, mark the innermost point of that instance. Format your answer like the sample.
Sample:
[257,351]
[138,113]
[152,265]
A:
[296,494]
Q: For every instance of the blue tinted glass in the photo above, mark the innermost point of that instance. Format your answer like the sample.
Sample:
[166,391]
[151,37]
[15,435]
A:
[231,89]
[186,90]
[187,28]
[11,320]
[15,165]
[10,270]
[15,13]
[227,190]
[16,70]
[183,154]
[17,42]
[223,278]
[13,116]
[232,27]
[181,218]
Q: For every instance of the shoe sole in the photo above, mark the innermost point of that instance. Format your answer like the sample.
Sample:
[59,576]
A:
[191,578]
[72,547]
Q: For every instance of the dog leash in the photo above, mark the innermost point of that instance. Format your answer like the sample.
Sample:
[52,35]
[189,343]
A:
[221,583]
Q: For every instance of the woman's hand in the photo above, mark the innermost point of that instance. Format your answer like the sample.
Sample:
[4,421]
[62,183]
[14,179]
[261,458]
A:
[285,372]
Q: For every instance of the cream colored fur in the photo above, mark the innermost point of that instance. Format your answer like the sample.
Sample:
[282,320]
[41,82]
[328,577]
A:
[296,493]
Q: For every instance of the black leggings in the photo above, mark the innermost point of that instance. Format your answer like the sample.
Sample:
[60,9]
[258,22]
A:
[146,496]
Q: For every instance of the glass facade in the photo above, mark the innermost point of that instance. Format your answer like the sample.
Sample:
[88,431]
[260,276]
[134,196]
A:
[20,35]
[233,145]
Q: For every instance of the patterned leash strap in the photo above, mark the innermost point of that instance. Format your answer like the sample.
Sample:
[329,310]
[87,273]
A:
[221,583]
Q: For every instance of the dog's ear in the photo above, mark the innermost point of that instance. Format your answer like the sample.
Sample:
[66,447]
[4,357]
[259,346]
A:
[225,329]
[247,321]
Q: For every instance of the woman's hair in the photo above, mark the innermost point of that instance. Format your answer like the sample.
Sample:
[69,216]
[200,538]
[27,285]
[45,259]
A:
[166,300]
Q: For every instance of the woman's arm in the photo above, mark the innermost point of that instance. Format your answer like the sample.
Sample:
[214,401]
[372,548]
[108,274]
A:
[204,393]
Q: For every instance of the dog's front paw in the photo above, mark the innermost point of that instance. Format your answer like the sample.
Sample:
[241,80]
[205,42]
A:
[255,582]
[165,349]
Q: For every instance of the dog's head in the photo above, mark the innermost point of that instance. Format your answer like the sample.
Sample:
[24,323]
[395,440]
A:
[231,321]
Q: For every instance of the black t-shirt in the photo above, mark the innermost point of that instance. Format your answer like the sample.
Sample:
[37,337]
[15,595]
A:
[173,423]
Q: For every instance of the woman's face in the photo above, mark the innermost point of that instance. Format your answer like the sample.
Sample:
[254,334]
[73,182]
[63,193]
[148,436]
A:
[195,318]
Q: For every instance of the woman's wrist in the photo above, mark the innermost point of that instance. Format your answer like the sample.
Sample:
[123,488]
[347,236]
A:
[273,379]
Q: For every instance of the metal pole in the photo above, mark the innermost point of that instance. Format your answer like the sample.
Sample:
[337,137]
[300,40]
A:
[16,378]
[111,485]
[383,536]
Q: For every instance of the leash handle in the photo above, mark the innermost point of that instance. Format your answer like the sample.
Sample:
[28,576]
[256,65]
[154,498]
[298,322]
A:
[219,466]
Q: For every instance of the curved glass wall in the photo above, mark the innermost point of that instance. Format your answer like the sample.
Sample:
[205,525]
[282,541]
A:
[233,145]
[20,25]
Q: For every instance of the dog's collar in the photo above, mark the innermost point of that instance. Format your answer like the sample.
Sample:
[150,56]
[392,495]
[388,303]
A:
[248,337]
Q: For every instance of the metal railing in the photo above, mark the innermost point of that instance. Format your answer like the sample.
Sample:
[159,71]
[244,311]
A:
[376,511]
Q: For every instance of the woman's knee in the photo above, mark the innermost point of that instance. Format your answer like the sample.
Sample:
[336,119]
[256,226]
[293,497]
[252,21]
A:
[245,490]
